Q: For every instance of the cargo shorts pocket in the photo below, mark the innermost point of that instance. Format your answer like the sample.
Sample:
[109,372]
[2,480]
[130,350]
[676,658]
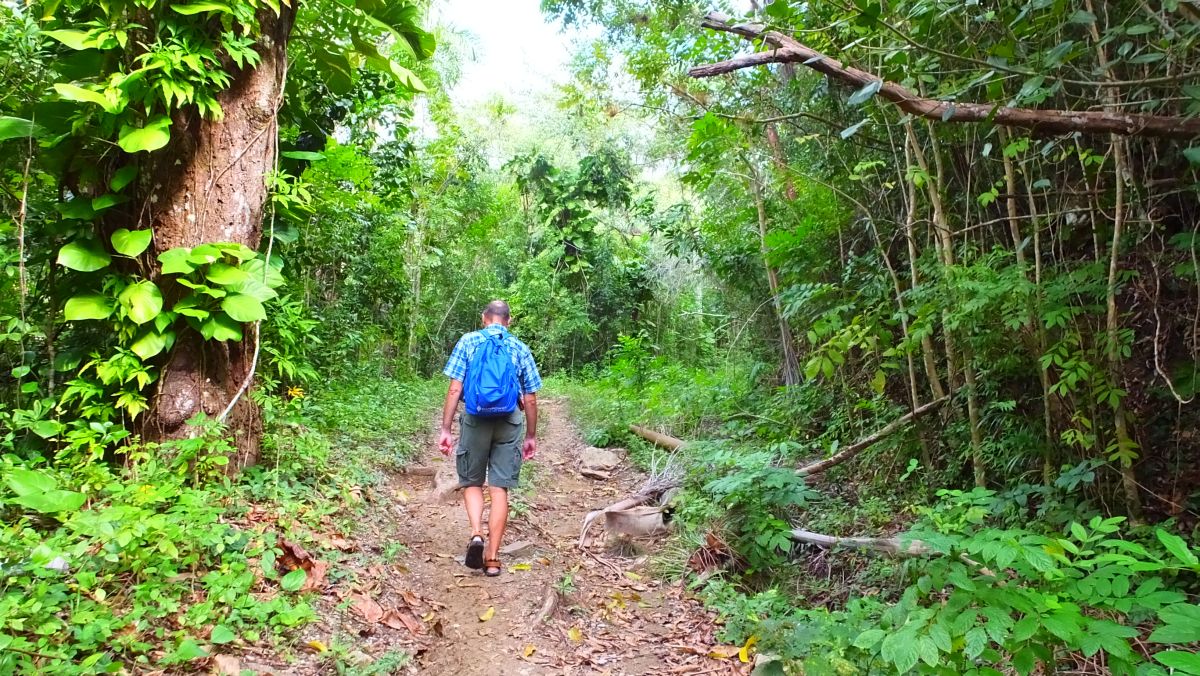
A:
[471,457]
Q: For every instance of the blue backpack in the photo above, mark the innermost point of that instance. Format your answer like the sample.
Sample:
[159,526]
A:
[490,389]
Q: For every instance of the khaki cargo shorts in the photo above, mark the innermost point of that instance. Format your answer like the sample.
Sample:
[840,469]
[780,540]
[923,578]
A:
[491,446]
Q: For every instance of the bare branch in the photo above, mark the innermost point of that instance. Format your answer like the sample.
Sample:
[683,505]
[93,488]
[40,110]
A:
[788,50]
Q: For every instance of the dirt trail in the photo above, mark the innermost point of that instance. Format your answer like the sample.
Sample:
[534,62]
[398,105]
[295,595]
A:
[614,617]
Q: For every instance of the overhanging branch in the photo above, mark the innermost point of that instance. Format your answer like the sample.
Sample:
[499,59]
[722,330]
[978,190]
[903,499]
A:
[785,49]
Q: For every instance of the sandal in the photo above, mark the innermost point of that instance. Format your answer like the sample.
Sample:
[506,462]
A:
[492,567]
[474,557]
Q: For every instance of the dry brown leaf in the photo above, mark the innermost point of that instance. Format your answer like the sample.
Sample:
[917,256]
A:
[366,606]
[723,652]
[403,618]
[294,556]
[316,575]
[337,541]
[410,598]
[226,665]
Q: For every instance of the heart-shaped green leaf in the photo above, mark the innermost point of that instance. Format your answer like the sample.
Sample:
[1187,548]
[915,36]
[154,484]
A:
[221,327]
[131,242]
[225,274]
[175,261]
[222,634]
[202,288]
[84,255]
[88,306]
[243,308]
[294,580]
[107,200]
[142,301]
[190,306]
[205,254]
[151,137]
[152,343]
[123,177]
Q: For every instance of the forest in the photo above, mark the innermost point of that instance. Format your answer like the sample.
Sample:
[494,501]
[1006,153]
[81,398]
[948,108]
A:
[902,298]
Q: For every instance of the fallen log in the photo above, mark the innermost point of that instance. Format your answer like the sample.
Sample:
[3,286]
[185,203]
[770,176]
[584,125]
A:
[657,438]
[786,49]
[866,442]
[671,443]
[893,546]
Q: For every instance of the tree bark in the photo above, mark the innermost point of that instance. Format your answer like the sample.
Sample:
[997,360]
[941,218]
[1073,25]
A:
[208,186]
[787,50]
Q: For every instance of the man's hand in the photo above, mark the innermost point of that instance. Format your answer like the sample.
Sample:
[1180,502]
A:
[445,442]
[529,449]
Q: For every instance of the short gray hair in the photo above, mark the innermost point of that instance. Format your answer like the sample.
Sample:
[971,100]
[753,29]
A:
[497,309]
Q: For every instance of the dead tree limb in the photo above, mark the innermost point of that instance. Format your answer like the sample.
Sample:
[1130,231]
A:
[864,443]
[657,438]
[786,49]
[671,443]
[893,546]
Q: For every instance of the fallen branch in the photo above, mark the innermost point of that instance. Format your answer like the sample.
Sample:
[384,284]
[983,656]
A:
[788,50]
[635,501]
[893,546]
[862,444]
[658,487]
[550,604]
[657,438]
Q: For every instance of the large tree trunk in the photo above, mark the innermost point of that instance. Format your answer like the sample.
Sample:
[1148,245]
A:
[208,186]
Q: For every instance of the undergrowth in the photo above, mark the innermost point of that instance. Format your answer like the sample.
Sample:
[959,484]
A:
[1028,579]
[155,558]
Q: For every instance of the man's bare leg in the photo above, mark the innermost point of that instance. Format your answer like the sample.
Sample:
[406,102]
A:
[497,520]
[473,498]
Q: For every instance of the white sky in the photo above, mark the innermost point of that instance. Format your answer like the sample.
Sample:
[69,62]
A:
[512,50]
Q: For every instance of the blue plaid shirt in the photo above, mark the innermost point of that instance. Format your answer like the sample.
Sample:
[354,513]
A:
[527,372]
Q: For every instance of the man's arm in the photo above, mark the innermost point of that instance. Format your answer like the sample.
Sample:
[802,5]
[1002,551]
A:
[453,395]
[530,446]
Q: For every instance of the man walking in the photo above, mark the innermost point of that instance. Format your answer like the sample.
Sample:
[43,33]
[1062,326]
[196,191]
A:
[495,376]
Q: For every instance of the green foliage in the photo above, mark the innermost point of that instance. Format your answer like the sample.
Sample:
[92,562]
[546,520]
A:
[96,589]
